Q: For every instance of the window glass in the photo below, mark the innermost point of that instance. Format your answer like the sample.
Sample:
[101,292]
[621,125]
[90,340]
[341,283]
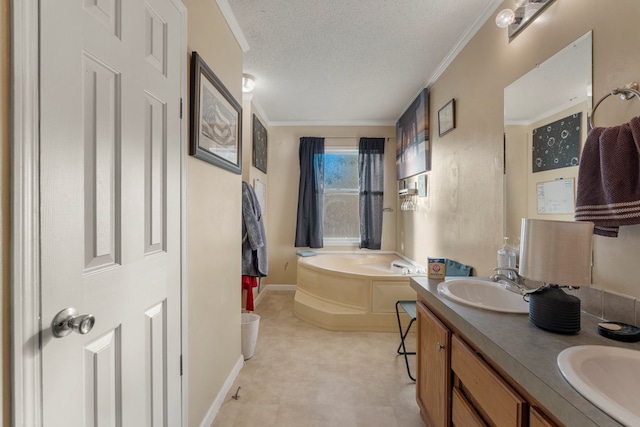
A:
[340,217]
[341,170]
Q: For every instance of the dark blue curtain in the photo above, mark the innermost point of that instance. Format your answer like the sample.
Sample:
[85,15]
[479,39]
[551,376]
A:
[371,181]
[309,228]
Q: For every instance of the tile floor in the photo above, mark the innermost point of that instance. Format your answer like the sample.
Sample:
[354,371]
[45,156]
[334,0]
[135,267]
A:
[304,376]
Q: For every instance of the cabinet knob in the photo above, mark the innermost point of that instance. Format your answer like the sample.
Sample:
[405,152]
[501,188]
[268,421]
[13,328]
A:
[439,347]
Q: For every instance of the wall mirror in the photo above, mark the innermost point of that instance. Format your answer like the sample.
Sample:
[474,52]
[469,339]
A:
[542,108]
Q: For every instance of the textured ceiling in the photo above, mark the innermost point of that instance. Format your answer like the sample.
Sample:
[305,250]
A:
[349,62]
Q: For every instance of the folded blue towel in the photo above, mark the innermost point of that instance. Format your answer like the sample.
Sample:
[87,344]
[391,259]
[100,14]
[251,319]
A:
[306,253]
[454,268]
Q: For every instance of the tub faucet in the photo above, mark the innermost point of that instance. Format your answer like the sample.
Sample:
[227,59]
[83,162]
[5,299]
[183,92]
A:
[404,267]
[513,281]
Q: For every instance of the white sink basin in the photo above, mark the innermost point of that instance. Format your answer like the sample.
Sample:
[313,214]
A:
[606,376]
[483,294]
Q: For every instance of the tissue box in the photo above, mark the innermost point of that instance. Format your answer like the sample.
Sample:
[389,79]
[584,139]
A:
[437,267]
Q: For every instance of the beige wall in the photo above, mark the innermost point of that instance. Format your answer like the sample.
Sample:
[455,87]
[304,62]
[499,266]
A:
[516,183]
[284,174]
[463,218]
[5,29]
[214,227]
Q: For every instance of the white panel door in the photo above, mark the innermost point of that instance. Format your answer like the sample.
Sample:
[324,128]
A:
[110,209]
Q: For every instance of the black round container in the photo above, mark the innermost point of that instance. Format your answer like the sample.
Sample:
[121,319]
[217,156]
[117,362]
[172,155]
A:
[553,310]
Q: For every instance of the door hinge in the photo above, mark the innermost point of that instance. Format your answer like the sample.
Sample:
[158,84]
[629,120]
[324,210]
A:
[180,117]
[180,365]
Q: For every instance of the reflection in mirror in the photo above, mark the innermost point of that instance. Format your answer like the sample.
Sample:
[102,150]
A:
[545,118]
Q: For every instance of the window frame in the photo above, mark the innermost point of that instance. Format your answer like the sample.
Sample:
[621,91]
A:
[342,241]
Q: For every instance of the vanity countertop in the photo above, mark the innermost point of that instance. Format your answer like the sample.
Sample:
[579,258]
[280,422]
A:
[526,353]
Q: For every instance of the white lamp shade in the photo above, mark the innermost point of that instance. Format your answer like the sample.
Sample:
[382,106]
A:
[556,252]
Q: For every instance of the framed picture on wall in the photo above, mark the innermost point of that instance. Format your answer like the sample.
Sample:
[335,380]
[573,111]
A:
[216,119]
[447,118]
[413,149]
[259,145]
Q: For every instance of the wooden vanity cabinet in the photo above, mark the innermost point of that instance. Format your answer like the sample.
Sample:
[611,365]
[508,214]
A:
[433,385]
[456,386]
[494,400]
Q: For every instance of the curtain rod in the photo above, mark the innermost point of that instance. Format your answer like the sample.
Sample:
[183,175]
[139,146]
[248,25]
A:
[356,137]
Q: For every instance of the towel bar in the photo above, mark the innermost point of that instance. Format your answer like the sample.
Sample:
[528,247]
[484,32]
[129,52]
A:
[627,92]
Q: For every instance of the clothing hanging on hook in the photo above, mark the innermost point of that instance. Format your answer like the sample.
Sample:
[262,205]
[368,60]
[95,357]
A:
[254,243]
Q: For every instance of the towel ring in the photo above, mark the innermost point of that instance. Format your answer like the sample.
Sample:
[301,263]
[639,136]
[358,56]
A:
[628,92]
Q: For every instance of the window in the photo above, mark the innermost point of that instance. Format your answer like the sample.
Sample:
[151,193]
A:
[341,194]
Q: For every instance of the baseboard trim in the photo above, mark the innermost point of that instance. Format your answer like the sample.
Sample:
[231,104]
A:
[273,288]
[219,400]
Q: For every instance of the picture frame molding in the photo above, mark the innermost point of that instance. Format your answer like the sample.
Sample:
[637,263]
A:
[200,69]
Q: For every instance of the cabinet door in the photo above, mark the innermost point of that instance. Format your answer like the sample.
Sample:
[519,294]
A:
[433,387]
[537,419]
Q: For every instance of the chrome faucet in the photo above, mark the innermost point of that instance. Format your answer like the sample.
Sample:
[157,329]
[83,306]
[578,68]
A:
[512,280]
[405,269]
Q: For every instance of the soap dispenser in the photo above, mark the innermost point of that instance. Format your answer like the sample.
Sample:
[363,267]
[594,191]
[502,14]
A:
[503,255]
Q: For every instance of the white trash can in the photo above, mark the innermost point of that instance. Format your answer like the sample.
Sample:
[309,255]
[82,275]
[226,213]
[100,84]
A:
[249,333]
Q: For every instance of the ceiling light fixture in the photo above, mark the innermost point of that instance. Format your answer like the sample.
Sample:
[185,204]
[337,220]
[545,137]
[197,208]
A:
[248,83]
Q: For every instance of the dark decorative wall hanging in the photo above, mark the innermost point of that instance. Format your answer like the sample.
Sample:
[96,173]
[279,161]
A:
[557,145]
[259,145]
[413,148]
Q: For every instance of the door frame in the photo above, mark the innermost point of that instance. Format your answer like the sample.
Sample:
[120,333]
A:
[25,291]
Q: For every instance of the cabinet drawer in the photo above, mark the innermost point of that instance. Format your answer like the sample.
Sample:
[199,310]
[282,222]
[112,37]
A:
[489,393]
[462,413]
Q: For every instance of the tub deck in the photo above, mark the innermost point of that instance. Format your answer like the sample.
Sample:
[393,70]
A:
[351,292]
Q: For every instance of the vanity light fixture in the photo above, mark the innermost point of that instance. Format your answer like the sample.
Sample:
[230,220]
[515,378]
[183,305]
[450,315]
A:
[558,254]
[248,83]
[525,12]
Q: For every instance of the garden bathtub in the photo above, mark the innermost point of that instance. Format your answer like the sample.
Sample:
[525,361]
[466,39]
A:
[351,291]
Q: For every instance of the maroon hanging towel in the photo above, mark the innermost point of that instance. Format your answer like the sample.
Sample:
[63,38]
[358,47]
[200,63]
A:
[608,191]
